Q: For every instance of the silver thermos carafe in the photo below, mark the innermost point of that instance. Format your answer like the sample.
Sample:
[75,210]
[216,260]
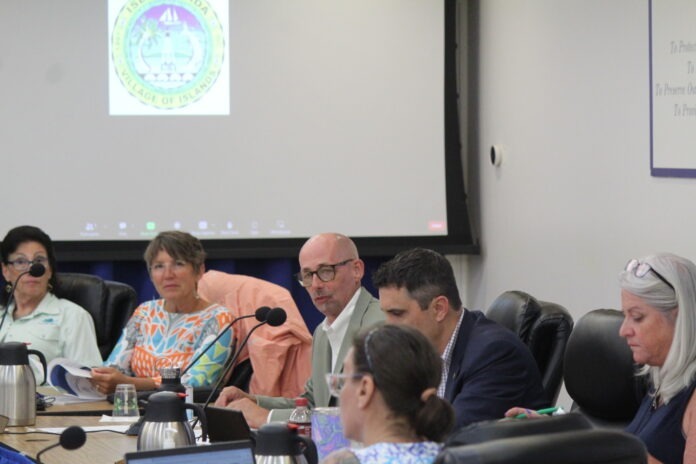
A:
[17,383]
[276,443]
[165,424]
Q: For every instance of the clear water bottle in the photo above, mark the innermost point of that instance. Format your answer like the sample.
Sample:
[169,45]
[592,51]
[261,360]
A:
[302,417]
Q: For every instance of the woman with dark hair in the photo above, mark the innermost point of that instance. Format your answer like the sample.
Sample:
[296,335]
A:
[56,327]
[174,329]
[388,398]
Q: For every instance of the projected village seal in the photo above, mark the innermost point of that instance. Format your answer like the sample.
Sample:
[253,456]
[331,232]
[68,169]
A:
[167,53]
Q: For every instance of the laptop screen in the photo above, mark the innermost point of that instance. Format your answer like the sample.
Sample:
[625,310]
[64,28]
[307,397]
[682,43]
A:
[235,452]
[225,424]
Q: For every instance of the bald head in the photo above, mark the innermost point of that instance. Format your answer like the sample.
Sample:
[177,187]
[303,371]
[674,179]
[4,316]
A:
[337,243]
[340,253]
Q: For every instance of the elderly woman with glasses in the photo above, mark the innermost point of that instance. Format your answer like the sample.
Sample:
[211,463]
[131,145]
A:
[388,398]
[31,313]
[658,299]
[171,331]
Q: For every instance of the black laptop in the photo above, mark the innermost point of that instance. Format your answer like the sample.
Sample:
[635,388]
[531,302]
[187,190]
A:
[234,452]
[226,424]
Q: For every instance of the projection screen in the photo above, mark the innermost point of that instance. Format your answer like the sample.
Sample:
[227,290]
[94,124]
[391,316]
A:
[252,124]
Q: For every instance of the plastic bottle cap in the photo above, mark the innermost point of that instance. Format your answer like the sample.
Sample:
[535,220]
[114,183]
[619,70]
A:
[301,401]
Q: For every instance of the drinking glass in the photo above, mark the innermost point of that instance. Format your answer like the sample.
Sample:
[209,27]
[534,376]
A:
[125,401]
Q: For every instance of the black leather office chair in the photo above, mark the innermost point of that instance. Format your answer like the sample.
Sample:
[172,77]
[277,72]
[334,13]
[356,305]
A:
[484,431]
[590,446]
[110,304]
[515,310]
[543,326]
[599,371]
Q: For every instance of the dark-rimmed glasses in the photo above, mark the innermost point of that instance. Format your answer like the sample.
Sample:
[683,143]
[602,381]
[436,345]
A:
[23,264]
[640,269]
[325,272]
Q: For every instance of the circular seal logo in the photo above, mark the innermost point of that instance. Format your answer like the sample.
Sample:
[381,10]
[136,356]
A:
[167,53]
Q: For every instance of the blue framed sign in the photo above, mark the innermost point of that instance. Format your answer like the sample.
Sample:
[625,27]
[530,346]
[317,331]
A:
[672,88]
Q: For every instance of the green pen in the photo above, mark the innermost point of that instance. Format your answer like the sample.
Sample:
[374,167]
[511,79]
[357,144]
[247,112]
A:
[545,411]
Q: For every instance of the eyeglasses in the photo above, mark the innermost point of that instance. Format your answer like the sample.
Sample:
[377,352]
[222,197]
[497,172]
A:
[336,382]
[176,266]
[23,264]
[640,269]
[325,272]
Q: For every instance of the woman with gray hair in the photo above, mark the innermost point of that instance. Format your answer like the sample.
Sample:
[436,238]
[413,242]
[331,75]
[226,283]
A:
[174,329]
[658,299]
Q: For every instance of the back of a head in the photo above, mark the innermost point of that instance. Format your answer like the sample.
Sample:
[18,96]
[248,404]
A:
[424,273]
[406,370]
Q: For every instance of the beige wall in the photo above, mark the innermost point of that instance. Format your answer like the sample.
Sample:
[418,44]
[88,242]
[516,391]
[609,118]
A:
[563,87]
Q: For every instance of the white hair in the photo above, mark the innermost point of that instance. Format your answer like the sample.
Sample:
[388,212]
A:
[679,368]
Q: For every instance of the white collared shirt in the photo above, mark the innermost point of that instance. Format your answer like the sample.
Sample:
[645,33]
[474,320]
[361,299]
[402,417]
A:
[58,328]
[447,357]
[337,331]
[335,334]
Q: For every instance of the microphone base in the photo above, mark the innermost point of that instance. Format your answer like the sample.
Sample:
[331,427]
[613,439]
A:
[201,394]
[134,429]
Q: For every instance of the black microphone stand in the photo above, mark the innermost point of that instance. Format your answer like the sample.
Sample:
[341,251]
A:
[260,312]
[274,318]
[48,448]
[227,367]
[231,364]
[71,438]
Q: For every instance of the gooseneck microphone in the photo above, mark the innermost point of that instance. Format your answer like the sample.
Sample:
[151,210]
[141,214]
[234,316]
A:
[275,318]
[72,438]
[35,270]
[260,315]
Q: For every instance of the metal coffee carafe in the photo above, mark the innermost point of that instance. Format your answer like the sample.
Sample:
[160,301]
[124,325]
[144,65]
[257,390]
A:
[277,443]
[171,380]
[165,424]
[17,383]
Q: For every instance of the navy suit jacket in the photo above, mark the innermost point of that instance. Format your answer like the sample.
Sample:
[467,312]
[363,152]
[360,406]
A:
[490,372]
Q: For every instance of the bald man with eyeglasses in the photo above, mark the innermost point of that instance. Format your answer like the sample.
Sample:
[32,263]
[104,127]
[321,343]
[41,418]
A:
[331,270]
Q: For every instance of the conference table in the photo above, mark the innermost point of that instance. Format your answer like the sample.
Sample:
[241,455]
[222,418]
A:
[100,447]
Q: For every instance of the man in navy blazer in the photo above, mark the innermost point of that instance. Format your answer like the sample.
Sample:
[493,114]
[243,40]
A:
[486,368]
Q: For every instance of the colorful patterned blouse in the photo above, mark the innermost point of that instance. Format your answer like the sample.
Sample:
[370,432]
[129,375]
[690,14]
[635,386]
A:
[155,338]
[423,452]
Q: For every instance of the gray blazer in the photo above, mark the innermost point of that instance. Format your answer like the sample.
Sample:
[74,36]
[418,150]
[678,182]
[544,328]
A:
[367,312]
